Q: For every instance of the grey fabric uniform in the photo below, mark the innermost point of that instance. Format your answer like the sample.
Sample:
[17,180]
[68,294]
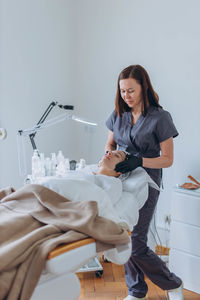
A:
[143,139]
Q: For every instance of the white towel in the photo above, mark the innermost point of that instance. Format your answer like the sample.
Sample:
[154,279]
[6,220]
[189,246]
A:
[117,200]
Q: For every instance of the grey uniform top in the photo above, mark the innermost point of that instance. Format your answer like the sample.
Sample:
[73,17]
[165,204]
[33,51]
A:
[144,137]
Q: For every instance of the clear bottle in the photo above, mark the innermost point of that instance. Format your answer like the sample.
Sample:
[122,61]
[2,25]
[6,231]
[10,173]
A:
[47,166]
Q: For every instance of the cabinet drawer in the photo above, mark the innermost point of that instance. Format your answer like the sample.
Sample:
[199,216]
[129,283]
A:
[185,237]
[186,208]
[187,267]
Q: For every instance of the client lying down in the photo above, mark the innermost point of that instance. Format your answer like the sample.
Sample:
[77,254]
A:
[119,197]
[35,219]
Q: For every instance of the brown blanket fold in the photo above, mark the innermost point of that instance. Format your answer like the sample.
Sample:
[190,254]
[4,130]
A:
[33,221]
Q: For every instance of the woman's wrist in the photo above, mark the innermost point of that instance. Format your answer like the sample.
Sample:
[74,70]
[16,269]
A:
[157,162]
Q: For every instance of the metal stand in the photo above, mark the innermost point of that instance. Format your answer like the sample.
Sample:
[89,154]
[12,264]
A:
[94,265]
[43,118]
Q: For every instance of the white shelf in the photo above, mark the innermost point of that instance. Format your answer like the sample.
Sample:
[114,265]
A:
[184,257]
[187,192]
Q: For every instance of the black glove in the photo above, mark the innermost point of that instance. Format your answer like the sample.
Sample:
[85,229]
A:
[130,164]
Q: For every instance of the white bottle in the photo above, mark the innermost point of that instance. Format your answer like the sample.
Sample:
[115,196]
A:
[82,163]
[67,164]
[53,164]
[42,165]
[60,169]
[60,157]
[35,164]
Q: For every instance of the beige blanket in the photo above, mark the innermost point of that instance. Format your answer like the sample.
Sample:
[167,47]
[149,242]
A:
[33,221]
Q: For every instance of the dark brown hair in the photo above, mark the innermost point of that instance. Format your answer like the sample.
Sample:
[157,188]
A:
[149,96]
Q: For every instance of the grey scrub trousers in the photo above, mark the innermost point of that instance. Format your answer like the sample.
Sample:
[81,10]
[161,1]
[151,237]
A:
[143,139]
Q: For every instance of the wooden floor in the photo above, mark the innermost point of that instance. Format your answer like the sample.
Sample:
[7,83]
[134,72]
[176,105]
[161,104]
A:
[111,286]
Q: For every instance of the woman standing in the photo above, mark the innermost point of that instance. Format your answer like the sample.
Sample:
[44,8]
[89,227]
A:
[142,128]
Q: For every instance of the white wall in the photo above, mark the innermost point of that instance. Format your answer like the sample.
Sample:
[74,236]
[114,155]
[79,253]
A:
[36,63]
[74,51]
[164,37]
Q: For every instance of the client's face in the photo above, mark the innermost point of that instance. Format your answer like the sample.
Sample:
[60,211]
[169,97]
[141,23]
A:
[111,159]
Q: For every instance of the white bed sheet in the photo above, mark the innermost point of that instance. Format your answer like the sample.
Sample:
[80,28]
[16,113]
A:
[117,200]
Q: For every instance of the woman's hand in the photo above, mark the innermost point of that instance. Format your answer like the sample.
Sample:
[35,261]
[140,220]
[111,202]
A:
[130,164]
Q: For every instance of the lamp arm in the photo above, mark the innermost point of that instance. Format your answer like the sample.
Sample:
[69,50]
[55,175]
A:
[31,132]
[31,136]
[42,119]
[47,111]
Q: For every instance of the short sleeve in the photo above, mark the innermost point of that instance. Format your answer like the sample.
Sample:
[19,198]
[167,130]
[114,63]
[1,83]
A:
[111,120]
[165,127]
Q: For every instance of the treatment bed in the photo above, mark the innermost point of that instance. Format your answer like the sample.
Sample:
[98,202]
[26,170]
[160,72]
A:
[54,227]
[59,280]
[60,274]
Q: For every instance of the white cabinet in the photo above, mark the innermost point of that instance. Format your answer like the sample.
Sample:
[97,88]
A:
[184,257]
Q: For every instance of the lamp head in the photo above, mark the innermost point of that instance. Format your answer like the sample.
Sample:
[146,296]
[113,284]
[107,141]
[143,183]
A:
[67,107]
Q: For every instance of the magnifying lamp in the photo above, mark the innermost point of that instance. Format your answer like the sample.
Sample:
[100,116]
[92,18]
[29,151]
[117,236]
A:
[42,124]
